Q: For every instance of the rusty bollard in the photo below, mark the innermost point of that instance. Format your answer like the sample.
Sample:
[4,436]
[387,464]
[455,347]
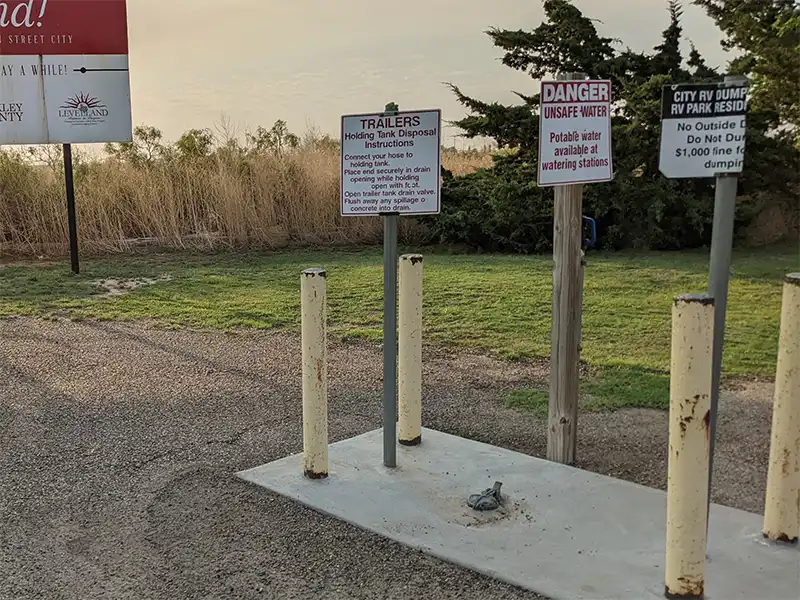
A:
[782,507]
[689,412]
[315,373]
[410,345]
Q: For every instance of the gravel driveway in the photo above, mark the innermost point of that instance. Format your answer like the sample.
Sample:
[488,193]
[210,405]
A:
[119,444]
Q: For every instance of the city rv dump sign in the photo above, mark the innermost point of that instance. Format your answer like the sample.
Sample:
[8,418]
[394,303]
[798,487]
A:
[575,132]
[391,163]
[64,72]
[703,129]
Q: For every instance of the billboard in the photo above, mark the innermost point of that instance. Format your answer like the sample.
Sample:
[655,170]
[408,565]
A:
[64,72]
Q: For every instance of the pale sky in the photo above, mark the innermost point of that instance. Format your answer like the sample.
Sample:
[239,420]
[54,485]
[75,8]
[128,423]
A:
[195,62]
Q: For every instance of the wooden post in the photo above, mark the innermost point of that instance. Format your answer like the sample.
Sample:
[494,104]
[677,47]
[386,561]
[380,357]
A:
[567,294]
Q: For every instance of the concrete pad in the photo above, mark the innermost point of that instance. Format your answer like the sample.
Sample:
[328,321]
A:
[564,532]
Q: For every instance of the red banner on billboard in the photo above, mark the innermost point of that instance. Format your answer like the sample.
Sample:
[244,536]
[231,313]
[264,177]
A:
[63,27]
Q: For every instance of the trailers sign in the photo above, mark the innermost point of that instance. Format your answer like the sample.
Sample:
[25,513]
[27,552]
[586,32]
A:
[64,72]
[391,163]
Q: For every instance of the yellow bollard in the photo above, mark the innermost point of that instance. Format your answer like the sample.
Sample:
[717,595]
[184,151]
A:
[689,413]
[315,373]
[782,507]
[410,342]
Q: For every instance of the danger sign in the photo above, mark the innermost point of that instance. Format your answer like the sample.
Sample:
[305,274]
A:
[575,132]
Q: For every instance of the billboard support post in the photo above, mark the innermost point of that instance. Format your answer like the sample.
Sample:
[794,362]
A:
[71,216]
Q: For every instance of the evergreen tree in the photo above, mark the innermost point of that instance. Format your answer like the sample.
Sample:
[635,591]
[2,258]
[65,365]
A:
[668,59]
[766,33]
[503,209]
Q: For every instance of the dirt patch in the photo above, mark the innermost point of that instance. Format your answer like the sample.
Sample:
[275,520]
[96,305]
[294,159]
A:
[109,288]
[484,370]
[754,390]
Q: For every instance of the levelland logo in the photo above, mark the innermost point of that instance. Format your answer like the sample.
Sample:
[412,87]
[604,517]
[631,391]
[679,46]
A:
[83,109]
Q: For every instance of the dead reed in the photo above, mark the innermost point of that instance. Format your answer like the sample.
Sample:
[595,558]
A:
[228,196]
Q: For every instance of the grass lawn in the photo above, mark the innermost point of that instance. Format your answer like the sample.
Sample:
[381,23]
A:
[498,303]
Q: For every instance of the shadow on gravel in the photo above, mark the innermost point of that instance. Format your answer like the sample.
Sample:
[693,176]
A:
[184,354]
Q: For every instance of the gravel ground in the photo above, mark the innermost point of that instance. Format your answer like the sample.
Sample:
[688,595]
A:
[119,444]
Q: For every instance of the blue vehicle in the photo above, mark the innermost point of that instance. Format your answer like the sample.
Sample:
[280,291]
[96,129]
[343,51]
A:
[591,241]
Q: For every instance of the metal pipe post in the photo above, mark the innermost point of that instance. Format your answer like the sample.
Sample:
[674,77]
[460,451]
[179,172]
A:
[72,219]
[390,340]
[782,507]
[718,279]
[689,411]
[410,371]
[315,373]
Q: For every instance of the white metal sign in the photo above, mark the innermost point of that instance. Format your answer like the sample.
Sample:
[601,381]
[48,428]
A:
[391,164]
[703,129]
[575,132]
[64,72]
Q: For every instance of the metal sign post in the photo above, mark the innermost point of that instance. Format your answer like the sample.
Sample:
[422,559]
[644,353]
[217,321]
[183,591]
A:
[719,270]
[703,135]
[390,222]
[391,163]
[390,225]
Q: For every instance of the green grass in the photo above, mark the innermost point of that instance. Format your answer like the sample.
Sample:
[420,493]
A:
[501,304]
[609,388]
[534,400]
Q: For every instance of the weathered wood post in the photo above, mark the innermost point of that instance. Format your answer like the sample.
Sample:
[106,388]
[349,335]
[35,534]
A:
[562,423]
[689,413]
[782,507]
[315,373]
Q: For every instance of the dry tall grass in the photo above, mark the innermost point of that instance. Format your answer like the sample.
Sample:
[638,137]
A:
[263,199]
